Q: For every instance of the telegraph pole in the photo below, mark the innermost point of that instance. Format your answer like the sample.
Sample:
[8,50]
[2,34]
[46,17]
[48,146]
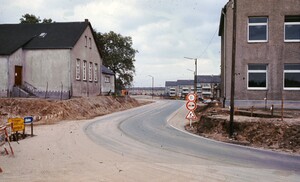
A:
[233,70]
[195,74]
[152,85]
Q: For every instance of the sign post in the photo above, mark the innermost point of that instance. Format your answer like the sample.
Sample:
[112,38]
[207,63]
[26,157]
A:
[29,120]
[191,105]
[17,125]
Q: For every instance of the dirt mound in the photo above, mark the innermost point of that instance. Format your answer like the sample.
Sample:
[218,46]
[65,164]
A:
[50,111]
[271,133]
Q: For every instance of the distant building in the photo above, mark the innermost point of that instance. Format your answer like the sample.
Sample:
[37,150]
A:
[267,66]
[171,88]
[208,86]
[157,91]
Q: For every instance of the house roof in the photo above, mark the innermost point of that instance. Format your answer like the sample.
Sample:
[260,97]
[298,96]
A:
[185,82]
[200,79]
[208,79]
[40,36]
[171,83]
[222,19]
[107,71]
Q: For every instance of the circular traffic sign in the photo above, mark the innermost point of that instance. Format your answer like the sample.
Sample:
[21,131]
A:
[191,105]
[191,97]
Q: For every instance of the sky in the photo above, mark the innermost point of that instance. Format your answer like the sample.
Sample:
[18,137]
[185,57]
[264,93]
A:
[163,31]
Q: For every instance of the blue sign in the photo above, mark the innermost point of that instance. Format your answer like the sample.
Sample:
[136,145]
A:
[28,120]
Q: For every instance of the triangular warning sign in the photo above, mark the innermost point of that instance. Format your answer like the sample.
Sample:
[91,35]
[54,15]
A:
[191,115]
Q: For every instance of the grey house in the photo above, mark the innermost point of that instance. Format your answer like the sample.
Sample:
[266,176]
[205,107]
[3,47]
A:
[56,60]
[267,53]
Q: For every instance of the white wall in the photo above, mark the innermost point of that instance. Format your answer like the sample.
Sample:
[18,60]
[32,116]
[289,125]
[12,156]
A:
[3,76]
[47,66]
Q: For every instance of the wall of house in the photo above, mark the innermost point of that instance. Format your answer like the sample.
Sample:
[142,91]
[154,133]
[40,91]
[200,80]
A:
[108,86]
[3,76]
[85,50]
[48,71]
[275,52]
[8,72]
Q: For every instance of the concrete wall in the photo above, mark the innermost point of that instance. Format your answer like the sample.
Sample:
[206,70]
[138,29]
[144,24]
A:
[3,76]
[88,53]
[275,52]
[7,71]
[47,69]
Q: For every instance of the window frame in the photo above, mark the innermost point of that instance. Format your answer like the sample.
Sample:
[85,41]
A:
[258,24]
[78,70]
[95,72]
[107,79]
[289,71]
[86,41]
[90,41]
[257,71]
[84,70]
[90,71]
[286,22]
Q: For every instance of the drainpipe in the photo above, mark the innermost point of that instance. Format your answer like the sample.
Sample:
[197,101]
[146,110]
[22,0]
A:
[70,75]
[8,81]
[224,57]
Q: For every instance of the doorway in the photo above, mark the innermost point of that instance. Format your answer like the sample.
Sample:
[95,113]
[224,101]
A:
[18,75]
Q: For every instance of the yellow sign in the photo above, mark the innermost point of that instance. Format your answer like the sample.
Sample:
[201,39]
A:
[17,124]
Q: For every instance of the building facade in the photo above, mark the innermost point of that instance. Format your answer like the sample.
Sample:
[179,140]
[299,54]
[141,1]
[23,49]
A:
[267,66]
[56,60]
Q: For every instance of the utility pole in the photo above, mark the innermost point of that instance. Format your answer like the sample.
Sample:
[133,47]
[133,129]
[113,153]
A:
[233,70]
[152,85]
[195,74]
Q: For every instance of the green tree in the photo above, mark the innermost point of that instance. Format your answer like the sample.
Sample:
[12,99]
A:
[118,55]
[32,19]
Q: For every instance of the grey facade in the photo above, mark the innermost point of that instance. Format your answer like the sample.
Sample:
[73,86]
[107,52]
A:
[56,60]
[267,52]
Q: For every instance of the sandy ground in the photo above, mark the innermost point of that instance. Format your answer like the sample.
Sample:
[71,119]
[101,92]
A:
[62,152]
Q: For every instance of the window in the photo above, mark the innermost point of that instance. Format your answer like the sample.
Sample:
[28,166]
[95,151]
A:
[291,76]
[85,41]
[43,35]
[78,69]
[90,71]
[292,29]
[84,70]
[107,79]
[257,76]
[96,72]
[90,40]
[258,29]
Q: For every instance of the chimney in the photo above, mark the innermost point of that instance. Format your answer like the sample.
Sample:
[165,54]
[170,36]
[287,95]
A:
[86,20]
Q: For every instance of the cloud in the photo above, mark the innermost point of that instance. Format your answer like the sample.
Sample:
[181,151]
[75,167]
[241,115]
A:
[163,31]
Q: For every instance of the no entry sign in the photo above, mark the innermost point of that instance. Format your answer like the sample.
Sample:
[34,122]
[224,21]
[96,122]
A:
[191,105]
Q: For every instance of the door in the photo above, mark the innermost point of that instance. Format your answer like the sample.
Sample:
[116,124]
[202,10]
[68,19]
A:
[18,75]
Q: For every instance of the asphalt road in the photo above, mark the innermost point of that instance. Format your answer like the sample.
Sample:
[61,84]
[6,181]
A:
[144,133]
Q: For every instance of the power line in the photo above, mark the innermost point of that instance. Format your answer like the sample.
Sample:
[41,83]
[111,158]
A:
[209,43]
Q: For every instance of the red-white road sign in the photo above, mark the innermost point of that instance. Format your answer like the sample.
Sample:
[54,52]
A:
[191,97]
[191,115]
[191,105]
